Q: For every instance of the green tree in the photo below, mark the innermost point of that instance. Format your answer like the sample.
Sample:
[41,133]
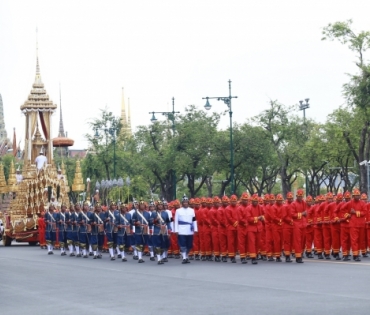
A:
[357,90]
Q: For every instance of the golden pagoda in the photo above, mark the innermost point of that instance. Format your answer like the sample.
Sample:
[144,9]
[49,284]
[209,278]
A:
[31,194]
[78,184]
[3,188]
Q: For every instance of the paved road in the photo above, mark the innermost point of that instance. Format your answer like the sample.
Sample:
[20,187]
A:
[32,282]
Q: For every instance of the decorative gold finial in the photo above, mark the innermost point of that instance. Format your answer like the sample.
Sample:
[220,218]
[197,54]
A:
[12,180]
[78,184]
[3,188]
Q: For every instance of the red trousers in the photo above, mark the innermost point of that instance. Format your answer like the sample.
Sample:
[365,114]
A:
[232,242]
[269,244]
[368,237]
[298,239]
[288,240]
[42,239]
[222,234]
[207,231]
[309,238]
[318,239]
[363,240]
[326,233]
[202,251]
[253,243]
[243,242]
[277,234]
[345,239]
[335,237]
[354,233]
[196,244]
[174,248]
[262,248]
[215,241]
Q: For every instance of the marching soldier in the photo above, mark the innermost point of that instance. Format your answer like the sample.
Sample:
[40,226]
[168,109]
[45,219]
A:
[288,227]
[123,224]
[344,226]
[142,221]
[109,219]
[254,218]
[335,226]
[96,223]
[231,214]
[61,225]
[185,226]
[242,228]
[50,221]
[309,227]
[84,227]
[161,228]
[355,212]
[222,227]
[167,240]
[299,214]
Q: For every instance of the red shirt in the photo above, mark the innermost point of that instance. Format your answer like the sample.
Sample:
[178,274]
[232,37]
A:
[297,208]
[357,219]
[242,216]
[231,214]
[212,213]
[287,216]
[221,217]
[252,213]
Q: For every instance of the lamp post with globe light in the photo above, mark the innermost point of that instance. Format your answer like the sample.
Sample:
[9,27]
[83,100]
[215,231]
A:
[227,101]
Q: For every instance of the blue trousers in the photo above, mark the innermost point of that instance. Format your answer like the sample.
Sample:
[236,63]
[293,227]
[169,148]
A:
[185,242]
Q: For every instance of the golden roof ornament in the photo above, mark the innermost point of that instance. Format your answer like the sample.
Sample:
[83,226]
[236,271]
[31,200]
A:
[3,188]
[78,184]
[12,179]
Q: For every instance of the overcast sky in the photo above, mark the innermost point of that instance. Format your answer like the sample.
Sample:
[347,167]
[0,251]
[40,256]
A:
[160,49]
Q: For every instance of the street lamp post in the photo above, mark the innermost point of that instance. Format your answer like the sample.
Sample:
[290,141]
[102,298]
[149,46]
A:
[227,101]
[303,106]
[112,130]
[170,116]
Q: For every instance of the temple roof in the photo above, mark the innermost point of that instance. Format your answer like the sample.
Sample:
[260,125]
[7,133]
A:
[38,99]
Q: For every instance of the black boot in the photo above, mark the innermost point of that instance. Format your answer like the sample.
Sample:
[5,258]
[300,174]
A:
[270,258]
[299,260]
[264,258]
[224,259]
[191,257]
[346,258]
[244,261]
[357,258]
[319,256]
[233,260]
[278,259]
[287,259]
[210,258]
[197,257]
[365,255]
[327,256]
[254,261]
[203,258]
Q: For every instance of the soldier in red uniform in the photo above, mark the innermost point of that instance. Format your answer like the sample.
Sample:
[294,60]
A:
[196,239]
[41,229]
[299,213]
[318,221]
[207,230]
[309,227]
[335,226]
[328,208]
[368,225]
[242,228]
[214,228]
[288,227]
[222,228]
[262,249]
[363,243]
[269,245]
[231,215]
[275,213]
[174,250]
[201,223]
[355,212]
[254,218]
[344,226]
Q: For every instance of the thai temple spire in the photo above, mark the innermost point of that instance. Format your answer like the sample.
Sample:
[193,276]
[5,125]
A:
[123,114]
[61,125]
[38,75]
[129,131]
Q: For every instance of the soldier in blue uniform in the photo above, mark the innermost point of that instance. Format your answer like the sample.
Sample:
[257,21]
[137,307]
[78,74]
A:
[61,224]
[167,238]
[109,227]
[113,209]
[135,206]
[77,243]
[142,221]
[95,222]
[161,226]
[150,239]
[50,229]
[71,229]
[123,225]
[101,234]
[84,222]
